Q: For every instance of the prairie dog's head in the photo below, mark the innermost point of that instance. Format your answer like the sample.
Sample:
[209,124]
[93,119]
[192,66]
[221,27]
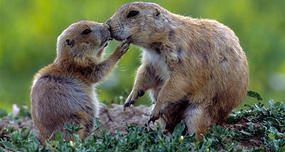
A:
[83,38]
[143,22]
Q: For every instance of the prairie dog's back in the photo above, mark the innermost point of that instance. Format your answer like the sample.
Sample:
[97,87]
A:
[57,100]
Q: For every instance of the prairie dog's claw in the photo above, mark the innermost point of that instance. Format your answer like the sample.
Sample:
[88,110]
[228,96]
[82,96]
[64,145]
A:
[124,46]
[129,39]
[131,99]
[152,119]
[128,104]
[134,95]
[156,113]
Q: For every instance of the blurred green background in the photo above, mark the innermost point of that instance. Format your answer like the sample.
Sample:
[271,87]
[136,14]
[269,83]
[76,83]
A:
[29,28]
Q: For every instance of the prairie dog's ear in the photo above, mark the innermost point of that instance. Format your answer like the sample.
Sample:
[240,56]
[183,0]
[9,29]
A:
[70,43]
[156,13]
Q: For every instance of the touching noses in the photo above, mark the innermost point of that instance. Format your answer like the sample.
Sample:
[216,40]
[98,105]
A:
[108,22]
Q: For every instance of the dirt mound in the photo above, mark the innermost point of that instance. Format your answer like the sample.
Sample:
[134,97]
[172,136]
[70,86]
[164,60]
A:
[111,119]
[115,118]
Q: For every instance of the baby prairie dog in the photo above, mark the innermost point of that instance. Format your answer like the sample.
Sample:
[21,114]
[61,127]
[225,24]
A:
[63,92]
[195,69]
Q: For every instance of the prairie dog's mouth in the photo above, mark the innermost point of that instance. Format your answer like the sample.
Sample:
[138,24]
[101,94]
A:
[106,42]
[129,38]
[119,35]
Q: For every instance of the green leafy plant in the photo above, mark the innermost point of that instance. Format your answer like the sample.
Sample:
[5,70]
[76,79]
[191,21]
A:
[255,128]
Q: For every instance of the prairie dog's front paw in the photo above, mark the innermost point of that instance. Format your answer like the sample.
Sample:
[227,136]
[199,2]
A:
[157,112]
[123,47]
[133,97]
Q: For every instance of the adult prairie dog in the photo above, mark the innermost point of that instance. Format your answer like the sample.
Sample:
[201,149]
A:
[195,69]
[63,92]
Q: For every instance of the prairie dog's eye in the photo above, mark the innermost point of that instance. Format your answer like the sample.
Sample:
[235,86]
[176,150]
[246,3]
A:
[86,31]
[132,14]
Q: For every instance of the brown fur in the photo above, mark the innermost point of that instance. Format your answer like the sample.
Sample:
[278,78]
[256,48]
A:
[197,60]
[63,92]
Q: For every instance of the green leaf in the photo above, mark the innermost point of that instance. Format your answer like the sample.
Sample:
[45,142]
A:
[246,133]
[57,136]
[8,145]
[271,136]
[254,94]
[3,113]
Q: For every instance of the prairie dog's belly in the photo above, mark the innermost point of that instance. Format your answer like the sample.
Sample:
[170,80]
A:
[95,101]
[91,92]
[151,58]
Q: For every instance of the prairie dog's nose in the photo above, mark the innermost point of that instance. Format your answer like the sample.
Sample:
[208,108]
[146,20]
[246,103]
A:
[105,30]
[108,22]
[106,26]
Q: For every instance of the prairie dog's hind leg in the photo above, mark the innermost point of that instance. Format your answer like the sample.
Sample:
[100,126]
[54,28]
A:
[197,120]
[173,90]
[173,114]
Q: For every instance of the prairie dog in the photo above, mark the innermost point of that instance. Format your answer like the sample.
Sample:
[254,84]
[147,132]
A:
[63,92]
[195,69]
